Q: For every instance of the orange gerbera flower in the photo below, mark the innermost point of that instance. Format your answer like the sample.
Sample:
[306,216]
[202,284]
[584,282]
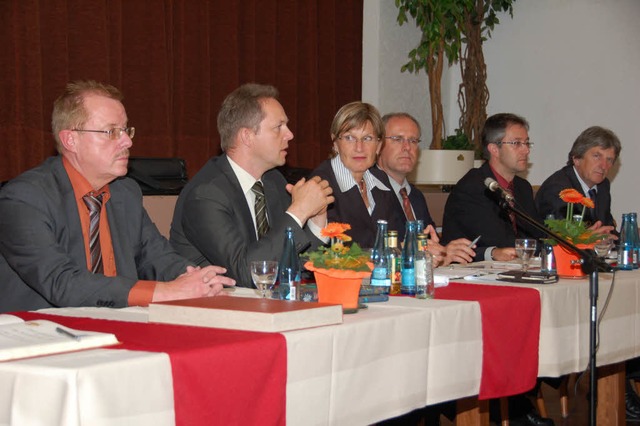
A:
[571,195]
[587,202]
[340,255]
[573,227]
[335,230]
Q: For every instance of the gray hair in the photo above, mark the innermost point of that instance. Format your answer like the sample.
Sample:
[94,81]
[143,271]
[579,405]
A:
[389,116]
[592,137]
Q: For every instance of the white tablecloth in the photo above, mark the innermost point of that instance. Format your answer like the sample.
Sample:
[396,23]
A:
[381,362]
[94,387]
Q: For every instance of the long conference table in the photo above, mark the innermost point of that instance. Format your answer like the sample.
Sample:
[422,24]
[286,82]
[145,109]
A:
[381,362]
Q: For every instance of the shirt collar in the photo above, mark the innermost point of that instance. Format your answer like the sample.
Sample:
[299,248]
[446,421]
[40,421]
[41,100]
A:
[346,181]
[504,183]
[585,188]
[81,185]
[244,178]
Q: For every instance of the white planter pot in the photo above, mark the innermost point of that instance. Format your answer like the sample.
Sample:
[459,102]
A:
[441,166]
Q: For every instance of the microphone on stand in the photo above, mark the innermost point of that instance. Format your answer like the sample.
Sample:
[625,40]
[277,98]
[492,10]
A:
[494,186]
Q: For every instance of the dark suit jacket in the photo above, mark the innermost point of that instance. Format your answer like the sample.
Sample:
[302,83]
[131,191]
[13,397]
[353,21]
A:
[473,210]
[416,197]
[548,201]
[212,223]
[349,208]
[43,262]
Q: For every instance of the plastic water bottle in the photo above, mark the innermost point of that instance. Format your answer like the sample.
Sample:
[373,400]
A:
[289,268]
[408,283]
[380,276]
[627,243]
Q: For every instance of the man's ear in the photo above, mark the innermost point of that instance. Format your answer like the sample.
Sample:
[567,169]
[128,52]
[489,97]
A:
[493,149]
[68,139]
[246,136]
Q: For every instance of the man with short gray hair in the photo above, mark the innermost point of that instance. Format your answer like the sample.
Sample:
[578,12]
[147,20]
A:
[592,155]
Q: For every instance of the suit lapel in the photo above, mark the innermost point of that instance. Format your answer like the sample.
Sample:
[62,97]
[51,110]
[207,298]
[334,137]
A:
[591,214]
[238,198]
[72,216]
[271,193]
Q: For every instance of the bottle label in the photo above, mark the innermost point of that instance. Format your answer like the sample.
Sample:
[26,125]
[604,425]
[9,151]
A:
[379,277]
[421,273]
[409,277]
[625,258]
[293,293]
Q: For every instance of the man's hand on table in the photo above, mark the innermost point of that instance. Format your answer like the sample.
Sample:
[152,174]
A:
[503,254]
[459,251]
[195,282]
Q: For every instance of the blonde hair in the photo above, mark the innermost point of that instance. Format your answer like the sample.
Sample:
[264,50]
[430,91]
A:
[69,111]
[355,115]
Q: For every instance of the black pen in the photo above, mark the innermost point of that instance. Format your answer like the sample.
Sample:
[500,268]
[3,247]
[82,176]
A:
[474,241]
[64,332]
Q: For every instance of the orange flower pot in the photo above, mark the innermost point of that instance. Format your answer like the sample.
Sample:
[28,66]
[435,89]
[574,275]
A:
[564,265]
[338,286]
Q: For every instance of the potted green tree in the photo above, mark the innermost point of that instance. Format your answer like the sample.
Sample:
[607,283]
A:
[453,30]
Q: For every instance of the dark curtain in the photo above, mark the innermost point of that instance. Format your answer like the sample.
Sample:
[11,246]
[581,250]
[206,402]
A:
[175,61]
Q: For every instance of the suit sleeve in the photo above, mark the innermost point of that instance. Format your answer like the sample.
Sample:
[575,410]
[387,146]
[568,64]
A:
[212,221]
[41,245]
[548,201]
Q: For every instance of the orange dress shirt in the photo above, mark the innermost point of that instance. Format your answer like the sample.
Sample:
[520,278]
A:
[141,293]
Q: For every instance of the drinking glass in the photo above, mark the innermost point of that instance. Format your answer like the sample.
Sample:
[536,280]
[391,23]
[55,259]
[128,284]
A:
[525,248]
[603,246]
[264,274]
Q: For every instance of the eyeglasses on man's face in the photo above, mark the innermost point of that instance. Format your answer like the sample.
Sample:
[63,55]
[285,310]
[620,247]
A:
[517,144]
[400,140]
[353,139]
[114,133]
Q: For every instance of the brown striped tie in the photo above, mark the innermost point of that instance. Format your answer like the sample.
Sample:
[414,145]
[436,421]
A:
[406,204]
[94,204]
[260,207]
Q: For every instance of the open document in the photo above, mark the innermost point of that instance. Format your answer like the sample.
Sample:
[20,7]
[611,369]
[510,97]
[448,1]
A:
[23,339]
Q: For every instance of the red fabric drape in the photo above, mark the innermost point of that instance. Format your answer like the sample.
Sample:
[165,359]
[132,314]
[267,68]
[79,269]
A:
[175,61]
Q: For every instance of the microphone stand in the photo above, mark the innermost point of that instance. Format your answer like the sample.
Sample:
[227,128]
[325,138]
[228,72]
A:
[591,264]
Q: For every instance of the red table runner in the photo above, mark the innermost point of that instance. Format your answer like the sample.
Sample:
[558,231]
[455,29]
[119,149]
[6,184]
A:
[510,335]
[220,377]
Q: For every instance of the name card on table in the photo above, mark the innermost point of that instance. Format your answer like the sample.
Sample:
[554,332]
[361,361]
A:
[243,313]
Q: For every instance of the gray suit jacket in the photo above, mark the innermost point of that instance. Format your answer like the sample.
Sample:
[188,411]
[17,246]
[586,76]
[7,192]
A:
[42,252]
[212,223]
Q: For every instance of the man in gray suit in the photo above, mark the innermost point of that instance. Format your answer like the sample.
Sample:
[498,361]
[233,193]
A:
[59,250]
[218,218]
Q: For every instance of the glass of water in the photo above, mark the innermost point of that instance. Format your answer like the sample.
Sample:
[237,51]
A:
[264,274]
[603,246]
[525,248]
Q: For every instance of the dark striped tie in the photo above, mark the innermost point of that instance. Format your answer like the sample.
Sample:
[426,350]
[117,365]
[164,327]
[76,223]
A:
[260,207]
[94,204]
[593,192]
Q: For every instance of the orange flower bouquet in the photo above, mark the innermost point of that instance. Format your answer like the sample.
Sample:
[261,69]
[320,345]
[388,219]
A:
[573,229]
[339,254]
[339,268]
